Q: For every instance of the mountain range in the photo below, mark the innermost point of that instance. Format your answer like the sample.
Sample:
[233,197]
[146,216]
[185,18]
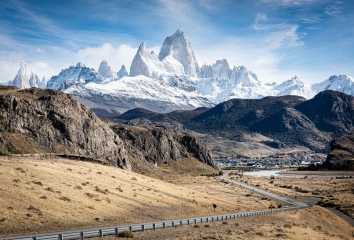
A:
[290,121]
[171,80]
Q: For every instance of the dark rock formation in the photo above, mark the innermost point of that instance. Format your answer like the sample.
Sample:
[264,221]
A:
[52,121]
[159,144]
[341,156]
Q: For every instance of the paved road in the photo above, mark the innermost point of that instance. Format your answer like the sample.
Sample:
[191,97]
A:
[286,200]
[347,218]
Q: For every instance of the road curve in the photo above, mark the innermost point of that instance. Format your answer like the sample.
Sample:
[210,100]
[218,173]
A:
[286,200]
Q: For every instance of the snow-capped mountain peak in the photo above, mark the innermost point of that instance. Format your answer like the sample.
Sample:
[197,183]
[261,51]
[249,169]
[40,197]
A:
[295,86]
[341,83]
[80,74]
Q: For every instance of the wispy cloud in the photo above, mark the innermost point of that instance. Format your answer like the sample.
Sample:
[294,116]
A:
[278,34]
[334,9]
[287,3]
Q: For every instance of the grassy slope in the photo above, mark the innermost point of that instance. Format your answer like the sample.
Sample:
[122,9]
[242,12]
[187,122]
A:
[41,195]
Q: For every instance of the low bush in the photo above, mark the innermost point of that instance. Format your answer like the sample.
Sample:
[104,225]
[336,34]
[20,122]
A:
[224,223]
[237,224]
[207,225]
[126,234]
[288,226]
[196,226]
[259,234]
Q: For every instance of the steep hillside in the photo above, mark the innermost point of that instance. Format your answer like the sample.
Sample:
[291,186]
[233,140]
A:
[331,111]
[36,120]
[158,144]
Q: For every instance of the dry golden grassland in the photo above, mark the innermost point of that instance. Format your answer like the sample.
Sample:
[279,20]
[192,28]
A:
[336,191]
[316,224]
[43,195]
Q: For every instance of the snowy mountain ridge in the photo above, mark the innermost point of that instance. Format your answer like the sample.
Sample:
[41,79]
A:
[171,80]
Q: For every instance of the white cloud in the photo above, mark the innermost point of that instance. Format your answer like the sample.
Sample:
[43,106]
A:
[39,50]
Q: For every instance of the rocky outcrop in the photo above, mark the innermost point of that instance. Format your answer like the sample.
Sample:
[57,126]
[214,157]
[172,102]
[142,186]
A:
[159,144]
[52,121]
[341,156]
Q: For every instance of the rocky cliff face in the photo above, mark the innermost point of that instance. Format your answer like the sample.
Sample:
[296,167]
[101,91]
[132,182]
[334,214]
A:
[52,121]
[159,144]
[341,156]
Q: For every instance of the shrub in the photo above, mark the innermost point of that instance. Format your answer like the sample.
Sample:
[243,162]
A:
[2,219]
[259,234]
[196,226]
[287,226]
[126,234]
[38,183]
[65,199]
[206,225]
[237,224]
[224,223]
[271,206]
[280,205]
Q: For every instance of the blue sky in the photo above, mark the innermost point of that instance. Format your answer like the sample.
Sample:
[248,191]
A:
[276,39]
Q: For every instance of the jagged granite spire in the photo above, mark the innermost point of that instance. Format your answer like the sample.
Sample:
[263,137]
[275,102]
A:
[106,70]
[180,49]
[145,63]
[21,79]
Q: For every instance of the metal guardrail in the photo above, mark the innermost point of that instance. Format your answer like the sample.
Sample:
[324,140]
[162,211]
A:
[147,226]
